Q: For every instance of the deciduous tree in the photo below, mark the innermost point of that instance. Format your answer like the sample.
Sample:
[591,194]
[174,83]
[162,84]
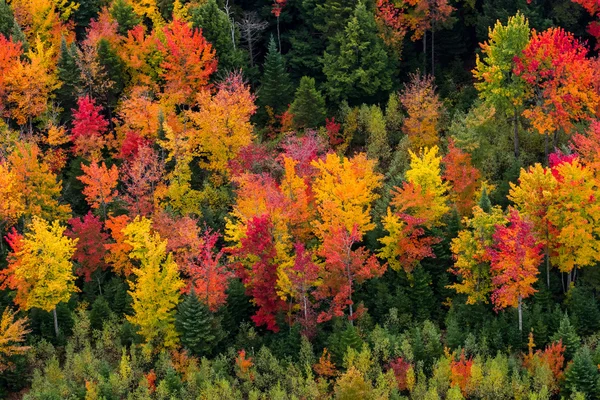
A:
[424,110]
[561,81]
[463,177]
[40,268]
[188,62]
[100,184]
[222,123]
[344,192]
[91,249]
[155,291]
[498,83]
[471,255]
[342,269]
[89,128]
[515,256]
[12,336]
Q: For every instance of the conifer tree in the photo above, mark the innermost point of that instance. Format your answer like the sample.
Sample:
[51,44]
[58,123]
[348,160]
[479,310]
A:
[70,77]
[195,325]
[582,374]
[484,201]
[218,29]
[125,16]
[114,68]
[569,337]
[357,64]
[7,19]
[275,87]
[308,108]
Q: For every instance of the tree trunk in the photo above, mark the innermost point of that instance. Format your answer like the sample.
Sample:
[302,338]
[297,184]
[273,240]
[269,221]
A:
[516,131]
[548,266]
[278,35]
[55,321]
[425,53]
[433,48]
[520,314]
[547,145]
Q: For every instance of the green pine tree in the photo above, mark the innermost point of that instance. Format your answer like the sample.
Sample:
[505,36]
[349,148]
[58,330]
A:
[100,312]
[421,294]
[7,19]
[18,35]
[341,341]
[356,64]
[70,77]
[583,308]
[276,88]
[566,332]
[194,323]
[165,7]
[308,107]
[114,68]
[217,28]
[123,13]
[582,375]
[484,201]
[87,11]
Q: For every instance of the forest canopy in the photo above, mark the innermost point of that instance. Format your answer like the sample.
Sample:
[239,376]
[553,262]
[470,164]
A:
[299,199]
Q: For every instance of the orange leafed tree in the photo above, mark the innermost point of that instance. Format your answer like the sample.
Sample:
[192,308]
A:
[30,84]
[463,177]
[117,254]
[424,110]
[9,56]
[222,123]
[100,184]
[189,61]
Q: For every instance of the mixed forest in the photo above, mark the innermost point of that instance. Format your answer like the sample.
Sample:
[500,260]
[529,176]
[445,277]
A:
[299,199]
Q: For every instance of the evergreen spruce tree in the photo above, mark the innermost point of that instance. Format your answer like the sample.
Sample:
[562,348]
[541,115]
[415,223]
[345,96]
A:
[583,308]
[566,332]
[195,326]
[217,28]
[100,312]
[123,13]
[114,68]
[18,35]
[421,294]
[582,375]
[7,19]
[356,65]
[276,88]
[340,342]
[484,201]
[87,11]
[70,77]
[308,107]
[165,7]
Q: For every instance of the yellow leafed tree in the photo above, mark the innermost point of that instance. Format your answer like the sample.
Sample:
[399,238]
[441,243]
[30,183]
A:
[39,187]
[42,266]
[155,291]
[425,178]
[12,335]
[344,191]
